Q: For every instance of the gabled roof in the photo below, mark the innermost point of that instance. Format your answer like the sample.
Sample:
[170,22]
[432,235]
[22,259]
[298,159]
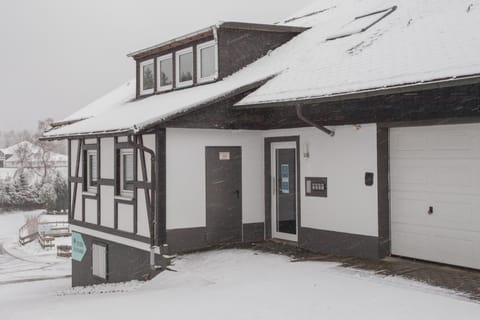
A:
[426,41]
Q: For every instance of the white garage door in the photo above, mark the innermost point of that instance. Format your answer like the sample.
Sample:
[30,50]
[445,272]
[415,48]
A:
[435,193]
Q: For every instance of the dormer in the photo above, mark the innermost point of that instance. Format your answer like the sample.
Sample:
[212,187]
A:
[206,55]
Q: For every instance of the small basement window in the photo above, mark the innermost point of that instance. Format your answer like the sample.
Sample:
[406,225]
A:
[362,23]
[92,174]
[184,68]
[126,172]
[207,66]
[147,77]
[165,72]
[99,260]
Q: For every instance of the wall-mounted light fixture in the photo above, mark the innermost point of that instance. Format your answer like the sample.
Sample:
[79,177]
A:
[306,151]
[357,126]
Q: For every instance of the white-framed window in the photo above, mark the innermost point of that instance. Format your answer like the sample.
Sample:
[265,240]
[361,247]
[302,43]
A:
[99,260]
[207,62]
[147,77]
[92,173]
[126,172]
[165,72]
[184,67]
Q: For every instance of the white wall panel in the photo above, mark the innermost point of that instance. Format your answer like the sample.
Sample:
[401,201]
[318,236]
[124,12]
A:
[107,206]
[107,158]
[73,159]
[125,217]
[78,203]
[149,142]
[91,211]
[142,226]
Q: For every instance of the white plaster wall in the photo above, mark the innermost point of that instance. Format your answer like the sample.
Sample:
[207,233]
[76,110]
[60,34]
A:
[91,211]
[125,217]
[107,218]
[186,174]
[351,206]
[107,158]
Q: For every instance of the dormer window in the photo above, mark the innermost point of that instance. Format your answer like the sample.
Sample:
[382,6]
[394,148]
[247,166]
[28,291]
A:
[207,66]
[147,77]
[184,60]
[165,72]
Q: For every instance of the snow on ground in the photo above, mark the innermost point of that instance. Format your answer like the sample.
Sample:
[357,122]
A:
[240,284]
[29,262]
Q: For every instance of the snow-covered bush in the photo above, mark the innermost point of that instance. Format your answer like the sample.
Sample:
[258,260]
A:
[50,194]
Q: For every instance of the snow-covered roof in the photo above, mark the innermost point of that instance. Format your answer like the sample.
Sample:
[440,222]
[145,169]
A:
[35,152]
[23,144]
[135,115]
[420,41]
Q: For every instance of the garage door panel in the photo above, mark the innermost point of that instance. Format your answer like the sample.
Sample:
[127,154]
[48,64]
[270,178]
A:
[436,166]
[423,242]
[407,206]
[454,215]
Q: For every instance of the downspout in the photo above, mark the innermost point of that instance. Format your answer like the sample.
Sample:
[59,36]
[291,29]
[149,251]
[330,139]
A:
[300,116]
[153,228]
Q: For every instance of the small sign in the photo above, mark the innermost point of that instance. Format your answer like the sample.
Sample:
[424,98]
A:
[78,247]
[224,155]
[285,183]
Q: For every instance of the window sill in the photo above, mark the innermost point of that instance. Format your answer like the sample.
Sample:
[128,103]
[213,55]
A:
[89,193]
[126,198]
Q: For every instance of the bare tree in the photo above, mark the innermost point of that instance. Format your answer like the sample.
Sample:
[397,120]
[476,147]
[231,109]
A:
[23,154]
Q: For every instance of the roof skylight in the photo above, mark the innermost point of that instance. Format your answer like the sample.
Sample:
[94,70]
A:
[362,23]
[307,15]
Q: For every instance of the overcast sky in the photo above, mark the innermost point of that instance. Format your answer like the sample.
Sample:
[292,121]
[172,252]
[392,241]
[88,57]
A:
[58,55]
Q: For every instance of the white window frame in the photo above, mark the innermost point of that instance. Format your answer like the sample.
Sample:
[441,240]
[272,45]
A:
[91,188]
[160,59]
[142,64]
[99,260]
[181,84]
[201,46]
[123,192]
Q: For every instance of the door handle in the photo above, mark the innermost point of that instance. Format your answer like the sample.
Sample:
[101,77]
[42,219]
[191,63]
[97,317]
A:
[430,210]
[237,193]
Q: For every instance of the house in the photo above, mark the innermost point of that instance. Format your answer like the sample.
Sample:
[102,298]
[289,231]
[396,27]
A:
[350,128]
[31,159]
[29,155]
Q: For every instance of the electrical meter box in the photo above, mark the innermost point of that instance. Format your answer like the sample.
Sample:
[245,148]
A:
[316,187]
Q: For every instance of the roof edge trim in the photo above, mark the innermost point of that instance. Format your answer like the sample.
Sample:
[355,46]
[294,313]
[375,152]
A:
[377,91]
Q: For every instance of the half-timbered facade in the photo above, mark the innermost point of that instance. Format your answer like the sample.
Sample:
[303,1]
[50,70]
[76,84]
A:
[314,131]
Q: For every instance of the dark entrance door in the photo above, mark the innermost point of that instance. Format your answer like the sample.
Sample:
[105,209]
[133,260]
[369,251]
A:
[286,191]
[224,194]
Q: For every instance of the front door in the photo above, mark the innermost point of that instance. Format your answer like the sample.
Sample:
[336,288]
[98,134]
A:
[223,194]
[284,195]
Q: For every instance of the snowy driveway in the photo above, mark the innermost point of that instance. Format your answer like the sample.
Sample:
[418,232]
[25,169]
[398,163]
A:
[240,284]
